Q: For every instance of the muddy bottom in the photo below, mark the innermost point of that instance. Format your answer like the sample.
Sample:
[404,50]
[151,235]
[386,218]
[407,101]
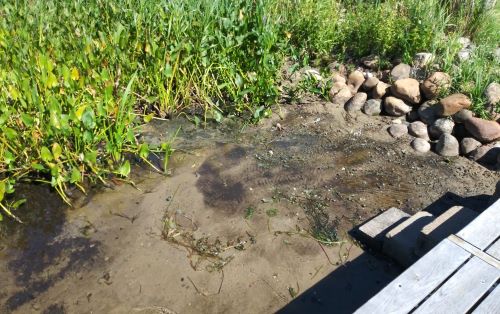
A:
[251,219]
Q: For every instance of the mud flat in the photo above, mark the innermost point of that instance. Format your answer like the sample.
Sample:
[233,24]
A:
[251,219]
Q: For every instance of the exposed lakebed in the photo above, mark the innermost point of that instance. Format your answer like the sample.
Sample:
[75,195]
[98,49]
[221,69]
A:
[248,219]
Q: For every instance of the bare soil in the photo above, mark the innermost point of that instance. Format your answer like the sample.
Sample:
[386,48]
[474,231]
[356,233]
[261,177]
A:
[251,219]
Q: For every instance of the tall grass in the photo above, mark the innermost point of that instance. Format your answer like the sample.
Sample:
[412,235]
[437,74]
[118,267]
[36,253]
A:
[78,77]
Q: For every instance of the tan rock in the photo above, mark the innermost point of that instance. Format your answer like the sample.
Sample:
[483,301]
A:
[395,106]
[434,84]
[355,80]
[407,89]
[452,104]
[370,83]
[380,90]
[484,131]
[342,96]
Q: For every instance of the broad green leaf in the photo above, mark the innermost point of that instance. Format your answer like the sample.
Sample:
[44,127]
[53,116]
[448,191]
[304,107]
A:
[51,81]
[11,134]
[124,169]
[79,112]
[45,154]
[148,118]
[88,119]
[91,157]
[8,157]
[56,151]
[37,166]
[75,176]
[75,75]
[27,119]
[18,203]
[144,151]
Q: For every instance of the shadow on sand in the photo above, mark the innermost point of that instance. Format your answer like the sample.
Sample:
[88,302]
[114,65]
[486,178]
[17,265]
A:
[350,286]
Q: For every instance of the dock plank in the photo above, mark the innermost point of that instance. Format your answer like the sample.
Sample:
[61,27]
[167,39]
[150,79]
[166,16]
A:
[463,290]
[483,230]
[494,250]
[413,285]
[491,304]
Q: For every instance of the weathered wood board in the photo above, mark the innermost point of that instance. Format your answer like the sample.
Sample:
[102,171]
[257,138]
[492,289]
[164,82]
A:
[418,281]
[463,290]
[485,229]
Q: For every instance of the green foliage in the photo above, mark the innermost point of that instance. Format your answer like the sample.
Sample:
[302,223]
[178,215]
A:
[75,76]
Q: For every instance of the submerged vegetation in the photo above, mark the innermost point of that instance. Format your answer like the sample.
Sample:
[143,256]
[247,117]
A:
[77,78]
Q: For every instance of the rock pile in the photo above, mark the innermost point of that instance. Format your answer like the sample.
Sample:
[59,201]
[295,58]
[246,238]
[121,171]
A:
[433,116]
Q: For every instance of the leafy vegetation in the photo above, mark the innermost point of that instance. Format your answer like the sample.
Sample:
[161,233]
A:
[77,78]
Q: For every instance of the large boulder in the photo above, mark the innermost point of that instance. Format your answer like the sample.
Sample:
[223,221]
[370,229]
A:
[355,80]
[452,104]
[447,145]
[428,112]
[436,83]
[407,89]
[380,90]
[356,102]
[483,130]
[401,71]
[372,107]
[395,106]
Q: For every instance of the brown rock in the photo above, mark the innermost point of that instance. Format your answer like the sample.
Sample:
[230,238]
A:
[434,84]
[483,130]
[407,89]
[452,104]
[380,90]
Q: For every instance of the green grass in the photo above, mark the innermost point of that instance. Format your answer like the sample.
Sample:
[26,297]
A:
[77,78]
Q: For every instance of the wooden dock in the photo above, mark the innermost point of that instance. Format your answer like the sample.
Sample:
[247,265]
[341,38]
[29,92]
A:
[459,275]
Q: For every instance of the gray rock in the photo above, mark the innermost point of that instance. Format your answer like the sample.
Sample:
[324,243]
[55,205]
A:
[422,59]
[441,126]
[420,145]
[492,94]
[412,116]
[468,145]
[462,116]
[464,41]
[447,145]
[398,130]
[372,107]
[401,71]
[428,112]
[396,107]
[356,102]
[418,129]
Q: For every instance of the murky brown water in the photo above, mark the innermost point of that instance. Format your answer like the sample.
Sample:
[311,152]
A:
[237,226]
